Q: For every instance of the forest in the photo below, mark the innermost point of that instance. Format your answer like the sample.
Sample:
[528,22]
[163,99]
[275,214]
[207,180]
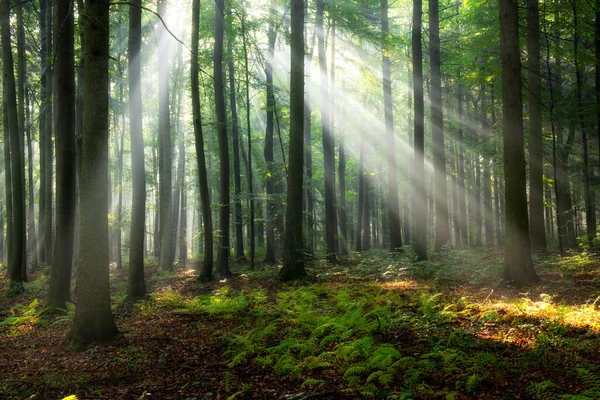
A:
[300,199]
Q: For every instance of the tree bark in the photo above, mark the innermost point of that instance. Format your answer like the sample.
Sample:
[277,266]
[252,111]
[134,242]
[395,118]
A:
[48,237]
[536,149]
[271,252]
[442,224]
[590,208]
[165,162]
[239,234]
[249,133]
[42,137]
[136,288]
[93,317]
[207,264]
[16,260]
[420,197]
[66,159]
[488,216]
[32,241]
[7,184]
[393,209]
[328,147]
[361,196]
[224,198]
[293,256]
[518,266]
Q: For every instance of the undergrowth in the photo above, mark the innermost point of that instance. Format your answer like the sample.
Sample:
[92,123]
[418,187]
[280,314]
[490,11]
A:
[390,327]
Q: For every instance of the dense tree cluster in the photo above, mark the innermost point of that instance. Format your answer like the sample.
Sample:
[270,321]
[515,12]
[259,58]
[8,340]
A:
[306,129]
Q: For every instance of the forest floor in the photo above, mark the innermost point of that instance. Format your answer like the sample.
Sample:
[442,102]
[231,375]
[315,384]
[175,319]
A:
[376,326]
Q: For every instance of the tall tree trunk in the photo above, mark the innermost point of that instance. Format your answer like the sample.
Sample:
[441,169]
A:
[119,136]
[239,234]
[207,264]
[462,201]
[66,159]
[361,196]
[420,196]
[7,185]
[455,196]
[308,190]
[366,241]
[79,125]
[597,69]
[407,220]
[271,250]
[181,214]
[42,137]
[343,212]
[293,256]
[442,224]
[590,209]
[249,132]
[165,162]
[136,285]
[21,67]
[393,208]
[32,240]
[518,266]
[16,260]
[536,149]
[328,147]
[48,145]
[224,198]
[486,175]
[93,317]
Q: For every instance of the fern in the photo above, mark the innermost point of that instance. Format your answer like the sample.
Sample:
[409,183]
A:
[545,390]
[591,380]
[356,370]
[22,314]
[473,383]
[311,383]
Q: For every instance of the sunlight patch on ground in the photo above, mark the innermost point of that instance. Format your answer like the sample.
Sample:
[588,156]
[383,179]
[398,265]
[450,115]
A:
[403,285]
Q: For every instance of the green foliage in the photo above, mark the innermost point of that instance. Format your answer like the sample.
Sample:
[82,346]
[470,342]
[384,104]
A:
[24,315]
[545,390]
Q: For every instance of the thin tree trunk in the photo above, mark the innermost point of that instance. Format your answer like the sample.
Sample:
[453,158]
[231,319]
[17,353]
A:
[442,227]
[328,147]
[361,196]
[207,264]
[249,133]
[536,149]
[420,196]
[366,217]
[224,198]
[486,176]
[48,146]
[42,138]
[7,185]
[271,250]
[165,162]
[32,241]
[136,287]
[239,235]
[66,157]
[310,208]
[21,67]
[393,209]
